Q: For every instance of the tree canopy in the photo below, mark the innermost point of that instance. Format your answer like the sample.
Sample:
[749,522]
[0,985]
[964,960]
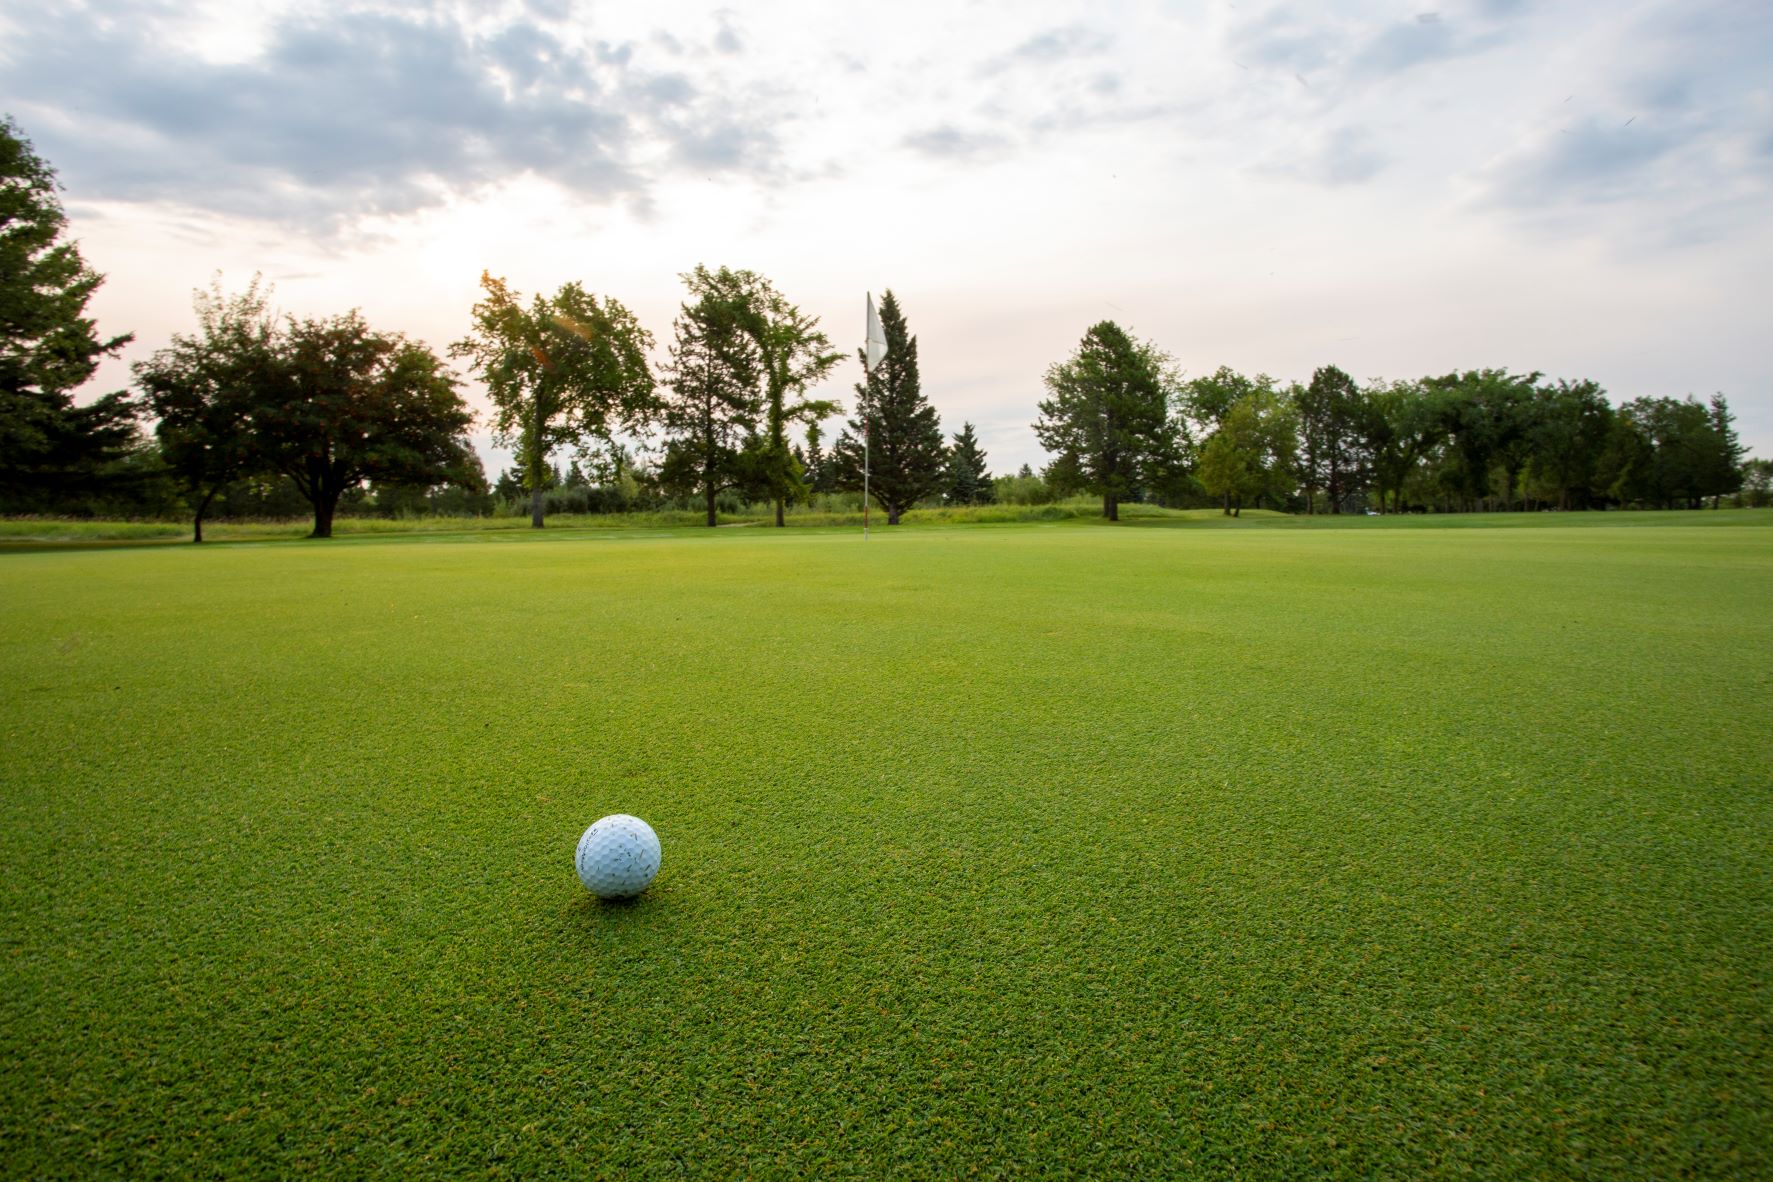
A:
[51,450]
[906,459]
[569,369]
[204,390]
[1107,421]
[792,354]
[968,481]
[348,404]
[712,408]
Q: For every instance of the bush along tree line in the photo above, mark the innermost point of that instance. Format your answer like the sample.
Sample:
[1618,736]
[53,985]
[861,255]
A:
[255,415]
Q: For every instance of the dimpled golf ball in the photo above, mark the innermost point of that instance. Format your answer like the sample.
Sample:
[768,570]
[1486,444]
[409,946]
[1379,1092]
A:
[618,857]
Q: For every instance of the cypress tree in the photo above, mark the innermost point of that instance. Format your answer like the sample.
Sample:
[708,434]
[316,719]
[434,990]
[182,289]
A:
[968,481]
[906,459]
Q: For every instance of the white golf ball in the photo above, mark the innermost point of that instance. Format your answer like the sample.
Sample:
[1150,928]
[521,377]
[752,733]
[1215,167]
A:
[618,857]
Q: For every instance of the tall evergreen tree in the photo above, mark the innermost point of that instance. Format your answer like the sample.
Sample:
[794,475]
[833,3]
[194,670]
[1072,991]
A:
[1108,421]
[1723,470]
[820,475]
[906,459]
[969,483]
[712,406]
[50,449]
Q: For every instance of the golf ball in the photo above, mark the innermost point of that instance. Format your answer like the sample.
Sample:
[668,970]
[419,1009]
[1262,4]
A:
[618,857]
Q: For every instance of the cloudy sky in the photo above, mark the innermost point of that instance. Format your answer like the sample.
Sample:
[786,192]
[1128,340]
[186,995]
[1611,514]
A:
[1582,188]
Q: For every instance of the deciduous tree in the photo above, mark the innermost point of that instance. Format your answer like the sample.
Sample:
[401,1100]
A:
[1251,455]
[203,390]
[792,354]
[349,404]
[569,369]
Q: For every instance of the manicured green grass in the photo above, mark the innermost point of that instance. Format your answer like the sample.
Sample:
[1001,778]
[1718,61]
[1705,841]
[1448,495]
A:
[1028,850]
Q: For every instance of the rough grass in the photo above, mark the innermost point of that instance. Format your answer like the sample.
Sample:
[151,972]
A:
[1043,849]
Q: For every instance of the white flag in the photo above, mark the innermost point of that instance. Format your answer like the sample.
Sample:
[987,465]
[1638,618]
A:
[877,346]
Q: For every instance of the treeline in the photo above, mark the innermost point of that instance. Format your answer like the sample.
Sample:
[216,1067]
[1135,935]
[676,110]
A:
[1474,441]
[255,415]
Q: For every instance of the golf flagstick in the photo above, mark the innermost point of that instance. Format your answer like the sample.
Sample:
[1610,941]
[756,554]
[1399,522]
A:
[871,356]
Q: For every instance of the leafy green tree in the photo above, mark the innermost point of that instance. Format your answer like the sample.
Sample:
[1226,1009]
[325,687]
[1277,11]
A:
[1757,483]
[203,390]
[50,449]
[968,481]
[1251,455]
[1623,470]
[1205,401]
[1107,421]
[1403,426]
[1693,452]
[1489,415]
[348,405]
[906,459]
[570,369]
[1565,438]
[792,354]
[712,405]
[1334,426]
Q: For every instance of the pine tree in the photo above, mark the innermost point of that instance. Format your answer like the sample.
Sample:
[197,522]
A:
[906,459]
[968,481]
[819,475]
[712,407]
[50,449]
[1108,421]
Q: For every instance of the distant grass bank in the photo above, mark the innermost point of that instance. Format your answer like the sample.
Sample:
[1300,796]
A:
[35,532]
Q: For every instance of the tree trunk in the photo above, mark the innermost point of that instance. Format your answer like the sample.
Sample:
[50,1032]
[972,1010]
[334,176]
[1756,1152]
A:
[779,522]
[710,495]
[1111,506]
[1225,505]
[893,514]
[535,507]
[202,508]
[325,505]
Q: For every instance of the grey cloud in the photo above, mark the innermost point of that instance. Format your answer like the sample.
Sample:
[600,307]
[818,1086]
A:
[1582,165]
[363,113]
[1277,38]
[948,142]
[1048,48]
[1412,43]
[726,39]
[1303,43]
[723,146]
[1343,156]
[1059,44]
[1664,142]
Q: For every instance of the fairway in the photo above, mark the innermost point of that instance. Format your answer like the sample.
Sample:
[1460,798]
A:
[1019,849]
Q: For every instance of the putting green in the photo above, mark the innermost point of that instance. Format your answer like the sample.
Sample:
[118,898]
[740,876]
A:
[1023,849]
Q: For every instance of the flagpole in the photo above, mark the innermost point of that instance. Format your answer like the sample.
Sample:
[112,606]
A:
[872,353]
